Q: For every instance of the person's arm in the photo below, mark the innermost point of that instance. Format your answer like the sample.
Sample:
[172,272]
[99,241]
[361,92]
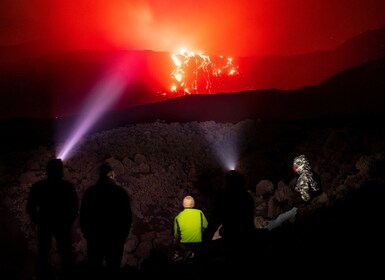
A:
[32,208]
[176,231]
[204,221]
[75,204]
[127,214]
[214,221]
[84,215]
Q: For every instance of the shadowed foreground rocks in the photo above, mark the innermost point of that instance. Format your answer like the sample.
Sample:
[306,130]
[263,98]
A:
[158,163]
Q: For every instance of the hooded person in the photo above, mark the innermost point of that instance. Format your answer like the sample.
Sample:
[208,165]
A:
[306,184]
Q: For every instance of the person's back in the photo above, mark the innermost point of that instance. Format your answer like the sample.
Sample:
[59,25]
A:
[190,223]
[188,229]
[233,210]
[237,215]
[105,221]
[53,206]
[233,214]
[52,197]
[105,211]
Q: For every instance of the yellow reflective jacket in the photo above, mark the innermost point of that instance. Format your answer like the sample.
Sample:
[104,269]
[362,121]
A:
[189,225]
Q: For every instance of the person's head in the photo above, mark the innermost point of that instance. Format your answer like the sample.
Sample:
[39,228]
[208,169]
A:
[106,171]
[188,202]
[55,169]
[234,180]
[301,163]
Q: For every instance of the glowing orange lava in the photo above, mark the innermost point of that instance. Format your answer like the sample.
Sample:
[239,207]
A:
[196,73]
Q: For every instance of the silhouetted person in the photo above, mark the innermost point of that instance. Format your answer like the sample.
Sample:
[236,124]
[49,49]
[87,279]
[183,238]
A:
[233,212]
[53,206]
[189,226]
[105,220]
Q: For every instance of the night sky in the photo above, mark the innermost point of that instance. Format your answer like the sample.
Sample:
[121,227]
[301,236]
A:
[236,28]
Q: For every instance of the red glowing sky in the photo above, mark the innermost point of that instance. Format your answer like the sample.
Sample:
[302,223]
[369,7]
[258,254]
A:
[238,28]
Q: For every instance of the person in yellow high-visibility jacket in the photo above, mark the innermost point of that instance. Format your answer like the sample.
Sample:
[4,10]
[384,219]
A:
[189,225]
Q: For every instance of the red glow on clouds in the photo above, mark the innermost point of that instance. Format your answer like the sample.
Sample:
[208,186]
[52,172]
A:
[237,28]
[57,46]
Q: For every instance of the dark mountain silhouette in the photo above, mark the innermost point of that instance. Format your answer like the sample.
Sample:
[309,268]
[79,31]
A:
[357,92]
[292,72]
[57,84]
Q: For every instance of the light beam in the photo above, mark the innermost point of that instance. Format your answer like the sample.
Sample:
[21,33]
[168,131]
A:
[102,97]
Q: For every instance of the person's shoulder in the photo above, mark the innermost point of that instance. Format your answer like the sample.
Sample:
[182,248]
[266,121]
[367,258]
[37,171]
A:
[201,212]
[67,183]
[117,190]
[195,210]
[179,214]
[39,184]
[90,189]
[120,188]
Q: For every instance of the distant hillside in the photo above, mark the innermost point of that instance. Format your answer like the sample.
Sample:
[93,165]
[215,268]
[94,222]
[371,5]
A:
[58,85]
[355,92]
[292,72]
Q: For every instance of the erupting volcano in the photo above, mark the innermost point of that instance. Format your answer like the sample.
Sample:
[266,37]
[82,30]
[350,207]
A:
[199,73]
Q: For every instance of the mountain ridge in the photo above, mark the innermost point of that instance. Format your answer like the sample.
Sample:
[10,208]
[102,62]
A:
[354,96]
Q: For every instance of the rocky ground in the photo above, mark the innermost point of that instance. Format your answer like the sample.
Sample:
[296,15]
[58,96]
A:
[158,163]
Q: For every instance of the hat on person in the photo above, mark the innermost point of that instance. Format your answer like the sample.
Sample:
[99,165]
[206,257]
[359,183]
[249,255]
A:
[105,169]
[188,202]
[234,180]
[54,168]
[301,164]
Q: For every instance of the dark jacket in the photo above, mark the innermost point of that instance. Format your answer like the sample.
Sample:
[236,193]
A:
[53,202]
[234,209]
[105,211]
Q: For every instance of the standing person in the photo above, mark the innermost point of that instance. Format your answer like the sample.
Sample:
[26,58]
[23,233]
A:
[53,206]
[189,225]
[105,221]
[306,185]
[233,213]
